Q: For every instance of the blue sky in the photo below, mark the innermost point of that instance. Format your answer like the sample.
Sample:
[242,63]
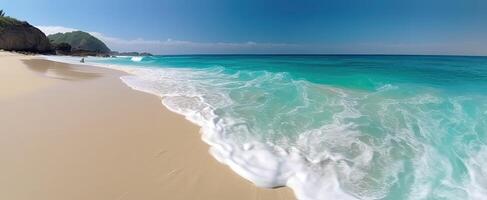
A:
[263,26]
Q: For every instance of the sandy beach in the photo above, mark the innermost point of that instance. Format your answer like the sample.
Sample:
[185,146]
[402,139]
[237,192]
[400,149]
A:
[77,132]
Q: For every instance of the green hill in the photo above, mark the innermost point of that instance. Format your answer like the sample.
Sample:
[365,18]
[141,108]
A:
[80,40]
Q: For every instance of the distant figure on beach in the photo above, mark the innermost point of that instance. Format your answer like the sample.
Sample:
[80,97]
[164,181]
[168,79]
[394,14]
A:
[82,60]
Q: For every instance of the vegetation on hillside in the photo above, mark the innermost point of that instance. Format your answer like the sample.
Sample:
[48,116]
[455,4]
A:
[16,35]
[9,21]
[79,40]
[62,47]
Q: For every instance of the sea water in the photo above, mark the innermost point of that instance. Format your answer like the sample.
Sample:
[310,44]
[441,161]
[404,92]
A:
[333,127]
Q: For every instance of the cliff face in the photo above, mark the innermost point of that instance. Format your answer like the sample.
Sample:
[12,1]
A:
[21,36]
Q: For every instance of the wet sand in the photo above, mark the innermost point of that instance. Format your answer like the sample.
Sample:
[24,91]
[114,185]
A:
[77,132]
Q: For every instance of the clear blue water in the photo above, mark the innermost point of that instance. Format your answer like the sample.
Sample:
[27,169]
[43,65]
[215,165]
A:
[365,127]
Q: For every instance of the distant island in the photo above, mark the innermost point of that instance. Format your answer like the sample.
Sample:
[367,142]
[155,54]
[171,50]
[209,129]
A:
[20,36]
[116,53]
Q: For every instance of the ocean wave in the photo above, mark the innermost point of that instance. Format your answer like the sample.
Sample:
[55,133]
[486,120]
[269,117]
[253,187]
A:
[328,142]
[137,58]
[232,138]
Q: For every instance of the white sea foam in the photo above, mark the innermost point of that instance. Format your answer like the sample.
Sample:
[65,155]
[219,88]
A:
[477,187]
[386,87]
[137,58]
[266,165]
[263,164]
[335,155]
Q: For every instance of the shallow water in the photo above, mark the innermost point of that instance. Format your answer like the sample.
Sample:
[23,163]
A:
[346,127]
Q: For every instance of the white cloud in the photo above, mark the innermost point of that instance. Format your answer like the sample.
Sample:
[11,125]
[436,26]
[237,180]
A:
[171,46]
[48,30]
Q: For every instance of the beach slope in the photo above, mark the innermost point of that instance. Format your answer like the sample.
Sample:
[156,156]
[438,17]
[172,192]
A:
[77,132]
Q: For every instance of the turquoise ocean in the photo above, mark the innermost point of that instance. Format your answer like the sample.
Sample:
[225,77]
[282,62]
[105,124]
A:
[332,126]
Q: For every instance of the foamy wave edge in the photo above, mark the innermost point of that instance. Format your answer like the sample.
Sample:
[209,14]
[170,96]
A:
[265,165]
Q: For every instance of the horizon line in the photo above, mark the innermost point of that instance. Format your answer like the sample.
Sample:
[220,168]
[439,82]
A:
[315,54]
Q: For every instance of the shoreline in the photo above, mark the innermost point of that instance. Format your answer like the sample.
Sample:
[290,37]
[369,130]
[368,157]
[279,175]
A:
[114,138]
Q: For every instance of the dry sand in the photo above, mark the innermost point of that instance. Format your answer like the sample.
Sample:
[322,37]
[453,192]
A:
[72,132]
